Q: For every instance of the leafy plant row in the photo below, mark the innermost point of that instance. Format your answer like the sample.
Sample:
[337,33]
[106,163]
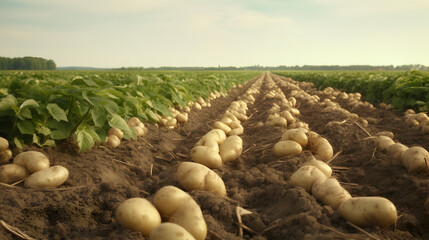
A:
[401,89]
[43,107]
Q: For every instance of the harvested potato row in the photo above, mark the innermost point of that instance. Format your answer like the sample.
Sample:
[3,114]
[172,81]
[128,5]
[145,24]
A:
[115,135]
[414,159]
[5,152]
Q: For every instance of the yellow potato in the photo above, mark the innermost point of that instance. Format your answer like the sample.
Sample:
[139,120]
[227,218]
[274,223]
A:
[222,126]
[323,149]
[296,135]
[383,142]
[5,156]
[395,151]
[231,148]
[278,121]
[112,141]
[286,148]
[218,135]
[139,131]
[115,131]
[306,176]
[330,192]
[385,133]
[180,208]
[236,131]
[138,214]
[289,118]
[32,160]
[47,178]
[182,117]
[322,166]
[11,173]
[415,159]
[207,156]
[133,121]
[195,176]
[369,211]
[4,144]
[170,231]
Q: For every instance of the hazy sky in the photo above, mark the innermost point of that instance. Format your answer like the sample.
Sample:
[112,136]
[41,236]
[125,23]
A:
[116,33]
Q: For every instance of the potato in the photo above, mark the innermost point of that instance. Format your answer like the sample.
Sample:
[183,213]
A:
[190,217]
[218,135]
[32,160]
[289,118]
[421,117]
[133,121]
[170,198]
[296,135]
[395,151]
[115,131]
[4,144]
[415,159]
[222,126]
[211,143]
[180,208]
[170,231]
[322,166]
[207,156]
[369,211]
[278,121]
[182,117]
[138,214]
[139,131]
[231,148]
[195,176]
[383,142]
[11,173]
[197,106]
[385,133]
[236,131]
[47,178]
[5,156]
[227,121]
[323,149]
[330,192]
[112,141]
[286,148]
[306,176]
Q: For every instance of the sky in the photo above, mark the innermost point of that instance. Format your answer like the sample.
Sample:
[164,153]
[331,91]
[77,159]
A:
[153,33]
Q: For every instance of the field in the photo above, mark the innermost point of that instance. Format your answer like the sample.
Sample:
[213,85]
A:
[101,178]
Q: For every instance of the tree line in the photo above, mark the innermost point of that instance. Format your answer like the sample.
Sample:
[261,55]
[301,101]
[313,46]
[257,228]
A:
[26,63]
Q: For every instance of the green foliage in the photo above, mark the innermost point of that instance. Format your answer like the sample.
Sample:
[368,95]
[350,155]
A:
[401,89]
[43,107]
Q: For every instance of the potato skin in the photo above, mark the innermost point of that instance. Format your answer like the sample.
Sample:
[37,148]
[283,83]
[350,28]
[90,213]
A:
[10,173]
[116,131]
[324,149]
[286,148]
[112,141]
[180,208]
[415,159]
[32,160]
[170,231]
[206,156]
[369,211]
[138,214]
[47,178]
[322,166]
[296,135]
[384,142]
[5,156]
[231,148]
[195,176]
[306,176]
[4,144]
[330,192]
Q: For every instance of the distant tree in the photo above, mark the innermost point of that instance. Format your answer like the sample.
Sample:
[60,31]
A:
[26,63]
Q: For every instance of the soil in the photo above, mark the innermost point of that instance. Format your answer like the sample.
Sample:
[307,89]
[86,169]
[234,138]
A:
[102,178]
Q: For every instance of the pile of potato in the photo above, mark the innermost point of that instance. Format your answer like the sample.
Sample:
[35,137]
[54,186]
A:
[35,168]
[5,152]
[185,220]
[419,120]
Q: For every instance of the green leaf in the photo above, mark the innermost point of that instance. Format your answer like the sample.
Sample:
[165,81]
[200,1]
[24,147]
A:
[8,102]
[110,106]
[49,142]
[36,140]
[59,134]
[56,112]
[118,122]
[29,103]
[162,109]
[19,143]
[99,116]
[25,127]
[44,130]
[25,113]
[85,140]
[151,114]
